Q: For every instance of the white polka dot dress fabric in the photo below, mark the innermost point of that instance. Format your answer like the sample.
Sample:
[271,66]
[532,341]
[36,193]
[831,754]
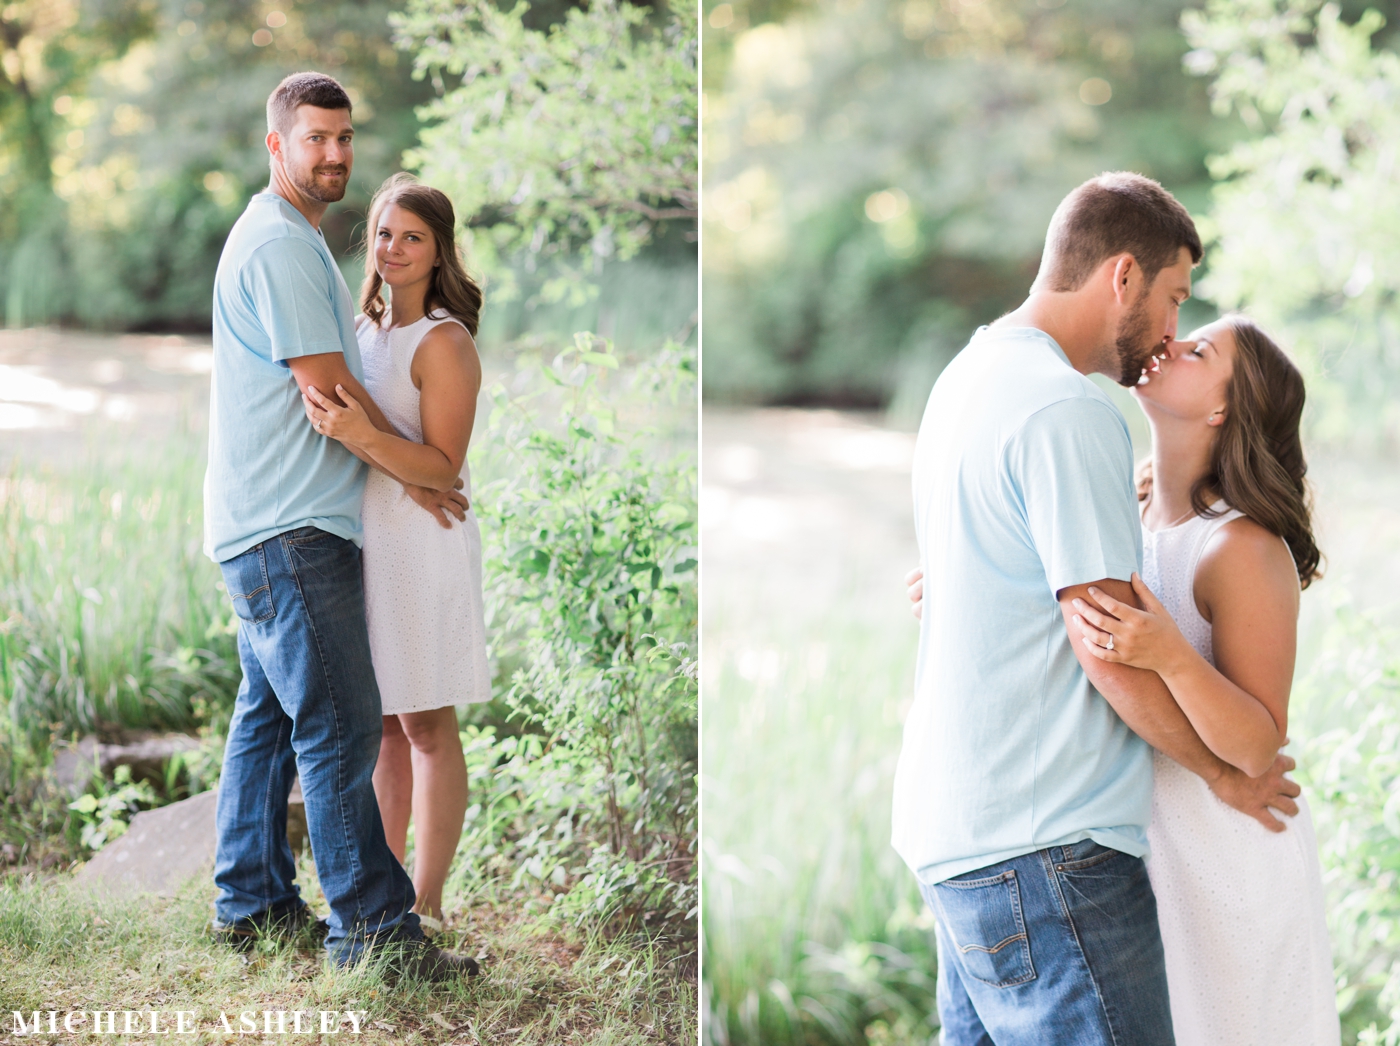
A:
[423,599]
[1241,908]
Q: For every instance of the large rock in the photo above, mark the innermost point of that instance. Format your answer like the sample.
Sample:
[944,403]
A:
[167,847]
[161,851]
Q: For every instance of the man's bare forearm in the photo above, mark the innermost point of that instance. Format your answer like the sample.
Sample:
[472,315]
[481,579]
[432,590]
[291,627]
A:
[1143,701]
[325,371]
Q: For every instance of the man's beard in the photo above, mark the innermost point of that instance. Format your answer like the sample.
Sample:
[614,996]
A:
[306,182]
[1134,350]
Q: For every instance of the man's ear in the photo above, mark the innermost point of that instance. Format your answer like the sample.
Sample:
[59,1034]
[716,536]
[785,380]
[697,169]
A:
[1123,269]
[274,143]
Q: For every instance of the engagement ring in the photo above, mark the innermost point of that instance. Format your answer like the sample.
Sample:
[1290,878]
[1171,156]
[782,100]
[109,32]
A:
[1109,644]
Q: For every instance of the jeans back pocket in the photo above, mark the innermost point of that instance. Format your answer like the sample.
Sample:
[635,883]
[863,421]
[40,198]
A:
[245,577]
[983,921]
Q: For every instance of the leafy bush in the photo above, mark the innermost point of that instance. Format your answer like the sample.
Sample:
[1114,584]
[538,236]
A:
[1352,774]
[1305,222]
[590,582]
[880,175]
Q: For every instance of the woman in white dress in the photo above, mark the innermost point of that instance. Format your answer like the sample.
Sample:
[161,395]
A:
[423,597]
[1227,545]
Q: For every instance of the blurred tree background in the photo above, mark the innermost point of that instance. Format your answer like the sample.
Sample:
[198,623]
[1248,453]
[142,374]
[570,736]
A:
[131,135]
[879,175]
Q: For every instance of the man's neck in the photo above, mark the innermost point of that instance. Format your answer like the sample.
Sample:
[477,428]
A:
[1074,323]
[310,209]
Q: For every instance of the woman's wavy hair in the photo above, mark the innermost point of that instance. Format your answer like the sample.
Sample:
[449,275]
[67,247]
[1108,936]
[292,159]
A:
[1256,464]
[450,289]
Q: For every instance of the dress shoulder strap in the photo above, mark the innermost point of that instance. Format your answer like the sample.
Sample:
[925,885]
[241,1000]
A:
[438,320]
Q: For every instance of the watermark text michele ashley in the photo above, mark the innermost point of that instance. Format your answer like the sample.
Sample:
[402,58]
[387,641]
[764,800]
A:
[187,1022]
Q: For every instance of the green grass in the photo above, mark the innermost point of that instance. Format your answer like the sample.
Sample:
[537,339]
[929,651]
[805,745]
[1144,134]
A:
[813,927]
[63,949]
[110,615]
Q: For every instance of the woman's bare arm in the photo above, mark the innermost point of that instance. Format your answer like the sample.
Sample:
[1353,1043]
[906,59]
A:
[1246,586]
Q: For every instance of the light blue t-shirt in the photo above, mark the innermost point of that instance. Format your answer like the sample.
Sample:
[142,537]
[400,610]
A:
[1022,487]
[278,294]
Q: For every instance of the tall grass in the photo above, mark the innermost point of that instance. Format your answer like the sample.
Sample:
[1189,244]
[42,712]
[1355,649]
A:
[813,928]
[110,615]
[1347,709]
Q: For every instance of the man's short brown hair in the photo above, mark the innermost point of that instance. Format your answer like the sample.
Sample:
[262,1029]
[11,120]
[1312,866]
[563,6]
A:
[318,89]
[1115,213]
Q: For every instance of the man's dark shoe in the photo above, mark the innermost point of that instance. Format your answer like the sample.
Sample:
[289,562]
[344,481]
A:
[243,935]
[429,963]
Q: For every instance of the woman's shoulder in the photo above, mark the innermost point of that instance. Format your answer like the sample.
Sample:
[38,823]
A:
[447,346]
[1242,555]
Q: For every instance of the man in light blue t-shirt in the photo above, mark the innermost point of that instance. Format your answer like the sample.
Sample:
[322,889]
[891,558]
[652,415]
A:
[282,519]
[1024,784]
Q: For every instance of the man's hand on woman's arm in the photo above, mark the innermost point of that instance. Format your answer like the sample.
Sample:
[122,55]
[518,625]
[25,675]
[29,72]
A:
[1143,701]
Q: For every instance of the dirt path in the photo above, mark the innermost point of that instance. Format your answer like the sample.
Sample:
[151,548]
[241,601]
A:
[64,393]
[804,512]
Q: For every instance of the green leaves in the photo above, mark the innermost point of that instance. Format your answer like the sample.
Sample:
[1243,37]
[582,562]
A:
[1306,220]
[589,575]
[106,814]
[580,138]
[1350,770]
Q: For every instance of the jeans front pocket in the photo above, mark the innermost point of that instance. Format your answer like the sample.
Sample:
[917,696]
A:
[1083,855]
[245,577]
[983,921]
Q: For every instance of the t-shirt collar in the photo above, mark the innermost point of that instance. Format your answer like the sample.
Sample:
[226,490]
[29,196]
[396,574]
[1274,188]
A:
[1031,332]
[267,195]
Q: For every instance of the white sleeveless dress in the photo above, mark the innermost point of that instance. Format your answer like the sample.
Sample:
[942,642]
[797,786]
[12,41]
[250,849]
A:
[1241,908]
[423,600]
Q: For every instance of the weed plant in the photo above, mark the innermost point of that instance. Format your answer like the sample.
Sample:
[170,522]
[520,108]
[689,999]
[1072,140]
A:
[591,583]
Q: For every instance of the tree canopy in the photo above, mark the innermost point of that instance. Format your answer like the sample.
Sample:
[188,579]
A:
[583,135]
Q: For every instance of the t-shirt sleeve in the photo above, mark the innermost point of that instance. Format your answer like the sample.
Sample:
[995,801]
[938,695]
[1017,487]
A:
[292,295]
[1070,467]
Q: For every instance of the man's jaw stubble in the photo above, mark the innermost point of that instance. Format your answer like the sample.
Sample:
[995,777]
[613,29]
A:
[1134,350]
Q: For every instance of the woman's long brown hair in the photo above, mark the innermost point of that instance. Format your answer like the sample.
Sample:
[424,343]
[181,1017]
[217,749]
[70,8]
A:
[1256,464]
[450,289]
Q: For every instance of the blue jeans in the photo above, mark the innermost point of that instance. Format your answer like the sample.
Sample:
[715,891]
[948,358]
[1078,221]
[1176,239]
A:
[308,704]
[1054,948]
